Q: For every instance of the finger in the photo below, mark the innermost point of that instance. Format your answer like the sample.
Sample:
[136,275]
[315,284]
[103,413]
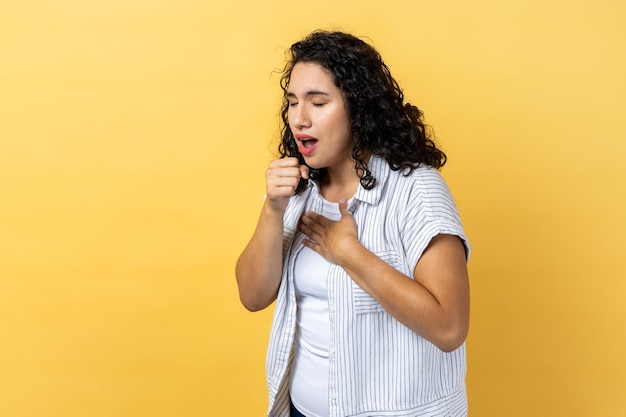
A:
[312,245]
[312,218]
[283,167]
[310,234]
[304,171]
[282,184]
[307,231]
[285,162]
[343,207]
[312,228]
[288,172]
[308,223]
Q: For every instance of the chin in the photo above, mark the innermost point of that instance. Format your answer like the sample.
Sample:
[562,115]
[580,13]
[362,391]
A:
[310,163]
[314,166]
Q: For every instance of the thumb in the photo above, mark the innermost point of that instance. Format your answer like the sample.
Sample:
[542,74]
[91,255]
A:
[343,207]
[304,171]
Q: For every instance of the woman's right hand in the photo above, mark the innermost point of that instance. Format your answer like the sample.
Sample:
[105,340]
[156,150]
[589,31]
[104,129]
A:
[260,265]
[281,179]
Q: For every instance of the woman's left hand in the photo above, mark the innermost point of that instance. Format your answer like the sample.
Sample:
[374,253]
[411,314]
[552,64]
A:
[434,304]
[327,237]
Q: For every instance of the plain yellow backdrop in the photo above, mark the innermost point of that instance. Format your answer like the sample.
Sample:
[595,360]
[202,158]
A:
[134,136]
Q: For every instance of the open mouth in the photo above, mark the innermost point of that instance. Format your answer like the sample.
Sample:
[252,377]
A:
[308,143]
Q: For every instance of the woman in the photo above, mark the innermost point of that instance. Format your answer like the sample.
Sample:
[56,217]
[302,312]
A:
[360,244]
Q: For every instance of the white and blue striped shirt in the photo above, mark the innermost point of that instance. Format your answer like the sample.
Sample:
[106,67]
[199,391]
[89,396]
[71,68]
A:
[378,366]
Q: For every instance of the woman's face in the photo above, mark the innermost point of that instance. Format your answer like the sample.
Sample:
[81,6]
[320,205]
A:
[318,117]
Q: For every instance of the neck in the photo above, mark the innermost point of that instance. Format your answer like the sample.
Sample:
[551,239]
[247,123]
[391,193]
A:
[341,182]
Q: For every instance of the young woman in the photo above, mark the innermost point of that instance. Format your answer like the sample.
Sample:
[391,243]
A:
[360,244]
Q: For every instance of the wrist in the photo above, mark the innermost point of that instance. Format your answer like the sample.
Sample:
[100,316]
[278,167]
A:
[272,209]
[348,251]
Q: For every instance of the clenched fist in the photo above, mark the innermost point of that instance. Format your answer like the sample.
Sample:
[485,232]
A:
[281,179]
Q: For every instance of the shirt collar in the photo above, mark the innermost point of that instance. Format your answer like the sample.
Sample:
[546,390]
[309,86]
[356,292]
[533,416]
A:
[380,170]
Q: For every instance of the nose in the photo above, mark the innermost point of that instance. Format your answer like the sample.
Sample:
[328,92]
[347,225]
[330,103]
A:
[299,116]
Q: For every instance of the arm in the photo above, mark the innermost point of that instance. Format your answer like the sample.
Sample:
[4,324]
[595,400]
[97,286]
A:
[259,267]
[434,305]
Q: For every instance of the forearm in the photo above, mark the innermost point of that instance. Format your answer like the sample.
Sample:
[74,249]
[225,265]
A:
[440,315]
[259,267]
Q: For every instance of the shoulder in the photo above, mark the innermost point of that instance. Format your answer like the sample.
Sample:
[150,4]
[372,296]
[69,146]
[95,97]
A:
[423,180]
[422,194]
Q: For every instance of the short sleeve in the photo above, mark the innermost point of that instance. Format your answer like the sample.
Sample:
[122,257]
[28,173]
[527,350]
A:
[430,211]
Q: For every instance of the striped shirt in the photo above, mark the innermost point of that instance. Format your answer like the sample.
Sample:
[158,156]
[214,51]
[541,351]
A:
[378,366]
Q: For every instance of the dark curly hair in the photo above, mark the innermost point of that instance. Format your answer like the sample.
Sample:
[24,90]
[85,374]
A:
[380,120]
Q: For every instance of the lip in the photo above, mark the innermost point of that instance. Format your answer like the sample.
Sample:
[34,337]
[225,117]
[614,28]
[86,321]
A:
[303,137]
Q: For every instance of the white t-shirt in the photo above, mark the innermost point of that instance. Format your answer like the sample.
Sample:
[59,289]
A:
[309,376]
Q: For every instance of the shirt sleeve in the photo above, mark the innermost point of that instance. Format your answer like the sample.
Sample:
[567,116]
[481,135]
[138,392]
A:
[430,211]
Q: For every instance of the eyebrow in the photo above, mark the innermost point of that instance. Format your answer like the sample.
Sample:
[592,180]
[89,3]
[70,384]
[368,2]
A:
[308,93]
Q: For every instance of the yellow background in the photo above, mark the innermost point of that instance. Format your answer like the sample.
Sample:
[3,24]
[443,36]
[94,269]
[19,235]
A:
[133,141]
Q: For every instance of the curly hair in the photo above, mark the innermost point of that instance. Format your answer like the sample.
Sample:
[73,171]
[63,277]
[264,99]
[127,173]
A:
[381,122]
